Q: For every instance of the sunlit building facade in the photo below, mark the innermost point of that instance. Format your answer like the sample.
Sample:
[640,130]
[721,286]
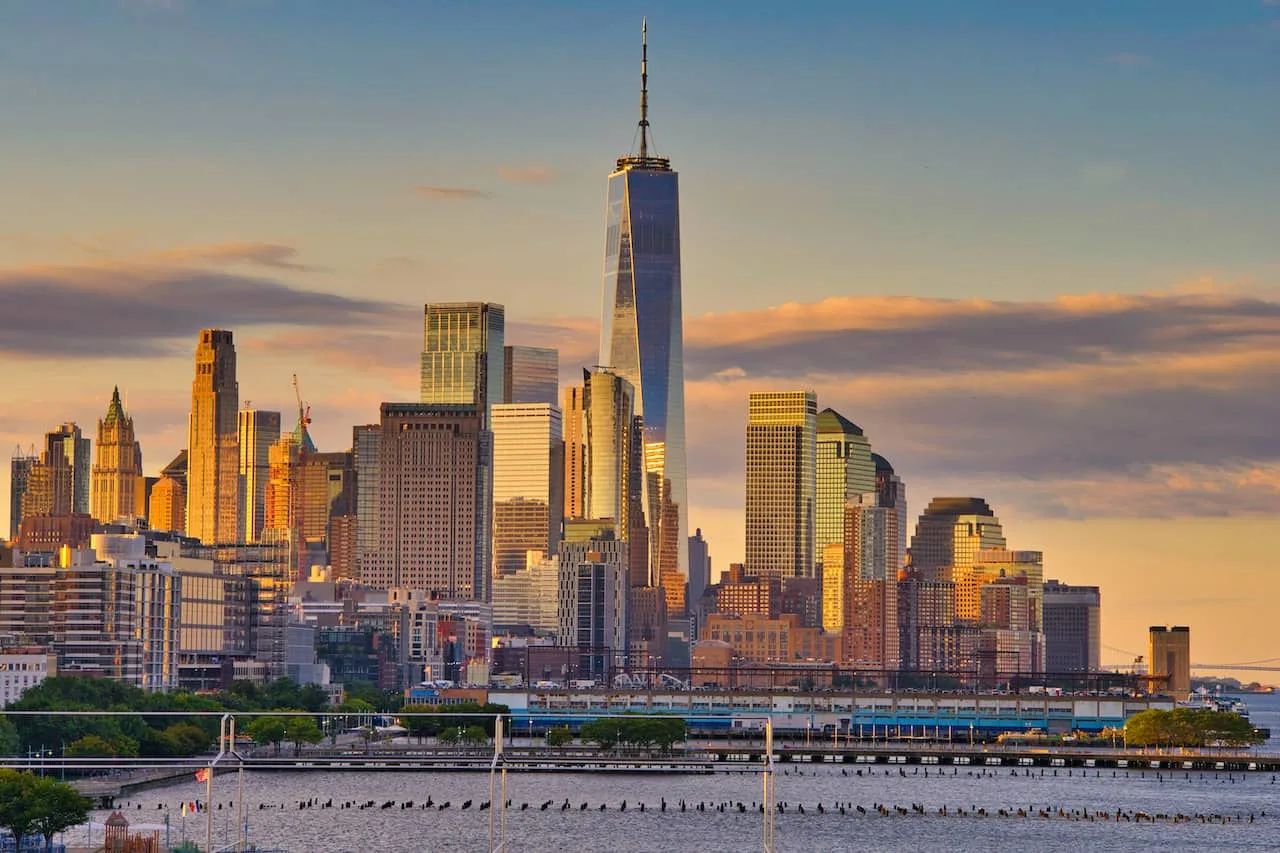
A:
[574,416]
[463,355]
[213,454]
[781,484]
[845,472]
[528,482]
[949,535]
[258,430]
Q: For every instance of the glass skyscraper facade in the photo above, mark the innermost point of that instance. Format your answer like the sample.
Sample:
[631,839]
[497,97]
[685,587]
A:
[463,354]
[845,473]
[642,338]
[531,375]
[949,535]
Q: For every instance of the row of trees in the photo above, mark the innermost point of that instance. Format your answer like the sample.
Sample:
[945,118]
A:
[1189,727]
[167,734]
[32,805]
[638,732]
[463,716]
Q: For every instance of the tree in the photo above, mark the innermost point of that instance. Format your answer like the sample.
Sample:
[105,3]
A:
[559,736]
[91,746]
[420,727]
[10,744]
[302,729]
[15,807]
[605,733]
[55,807]
[187,739]
[475,735]
[450,735]
[267,730]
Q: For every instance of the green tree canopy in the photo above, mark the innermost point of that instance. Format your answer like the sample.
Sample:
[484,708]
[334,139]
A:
[302,729]
[267,730]
[56,806]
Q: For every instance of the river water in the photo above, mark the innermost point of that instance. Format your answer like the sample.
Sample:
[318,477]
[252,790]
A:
[276,819]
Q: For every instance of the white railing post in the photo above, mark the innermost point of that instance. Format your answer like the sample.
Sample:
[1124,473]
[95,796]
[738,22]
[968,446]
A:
[767,773]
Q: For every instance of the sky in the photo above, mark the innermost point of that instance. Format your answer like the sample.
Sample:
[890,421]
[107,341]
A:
[1030,248]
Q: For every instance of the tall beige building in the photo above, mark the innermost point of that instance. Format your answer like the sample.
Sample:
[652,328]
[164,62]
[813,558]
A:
[117,485]
[1170,657]
[435,494]
[575,452]
[781,484]
[213,454]
[528,482]
[257,430]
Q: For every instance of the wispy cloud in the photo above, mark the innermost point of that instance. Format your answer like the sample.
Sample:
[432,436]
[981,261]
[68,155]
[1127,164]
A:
[532,174]
[273,255]
[451,193]
[132,310]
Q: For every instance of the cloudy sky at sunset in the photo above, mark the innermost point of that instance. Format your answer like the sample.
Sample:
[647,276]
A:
[1032,252]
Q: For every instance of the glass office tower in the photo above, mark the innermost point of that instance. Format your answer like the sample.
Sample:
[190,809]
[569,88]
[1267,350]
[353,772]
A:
[642,338]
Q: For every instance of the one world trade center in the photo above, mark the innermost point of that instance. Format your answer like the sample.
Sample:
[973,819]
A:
[642,339]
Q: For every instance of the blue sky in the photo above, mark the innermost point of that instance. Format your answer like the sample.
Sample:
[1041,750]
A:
[1030,247]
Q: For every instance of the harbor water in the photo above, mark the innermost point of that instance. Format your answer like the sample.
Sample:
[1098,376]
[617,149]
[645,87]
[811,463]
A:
[1065,810]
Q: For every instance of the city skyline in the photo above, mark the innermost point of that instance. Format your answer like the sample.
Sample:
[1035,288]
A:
[1121,451]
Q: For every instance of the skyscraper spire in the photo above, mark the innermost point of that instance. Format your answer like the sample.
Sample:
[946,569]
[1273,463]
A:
[644,87]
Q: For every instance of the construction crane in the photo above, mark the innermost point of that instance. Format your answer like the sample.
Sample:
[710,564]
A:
[304,412]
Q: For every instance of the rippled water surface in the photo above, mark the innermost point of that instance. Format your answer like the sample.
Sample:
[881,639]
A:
[276,820]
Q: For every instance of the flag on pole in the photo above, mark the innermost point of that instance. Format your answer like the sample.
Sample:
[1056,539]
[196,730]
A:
[184,809]
[202,775]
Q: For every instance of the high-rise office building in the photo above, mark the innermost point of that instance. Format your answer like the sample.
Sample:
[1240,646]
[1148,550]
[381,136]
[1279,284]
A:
[258,431]
[365,440]
[995,563]
[463,355]
[58,483]
[575,451]
[1072,627]
[213,453]
[435,495]
[699,566]
[845,472]
[531,375]
[892,495]
[20,466]
[592,611]
[642,337]
[614,482]
[167,506]
[528,482]
[1170,659]
[117,484]
[781,483]
[949,535]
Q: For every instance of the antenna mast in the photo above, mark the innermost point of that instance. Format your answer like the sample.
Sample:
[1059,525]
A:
[644,87]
